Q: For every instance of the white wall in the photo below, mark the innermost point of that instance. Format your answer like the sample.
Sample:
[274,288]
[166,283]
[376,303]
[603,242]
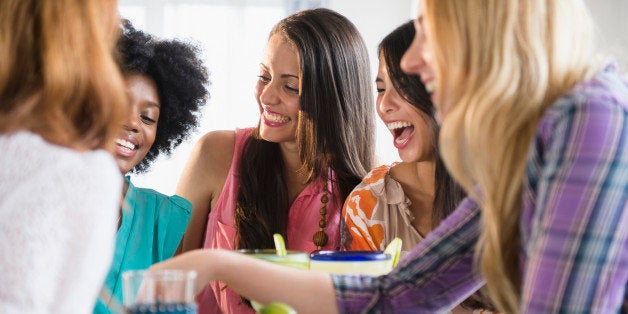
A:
[611,17]
[233,55]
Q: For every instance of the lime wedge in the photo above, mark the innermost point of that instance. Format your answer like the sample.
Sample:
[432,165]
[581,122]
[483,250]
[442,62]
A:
[280,245]
[394,249]
[277,308]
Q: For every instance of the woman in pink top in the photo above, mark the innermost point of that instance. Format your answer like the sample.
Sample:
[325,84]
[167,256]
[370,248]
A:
[290,174]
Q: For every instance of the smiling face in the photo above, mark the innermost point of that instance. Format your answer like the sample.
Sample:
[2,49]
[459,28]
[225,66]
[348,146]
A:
[277,91]
[409,126]
[140,126]
[419,59]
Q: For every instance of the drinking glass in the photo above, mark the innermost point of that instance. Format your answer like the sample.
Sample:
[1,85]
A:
[168,291]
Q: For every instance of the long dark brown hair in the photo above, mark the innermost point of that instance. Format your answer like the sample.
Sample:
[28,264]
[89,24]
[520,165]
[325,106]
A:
[335,126]
[447,193]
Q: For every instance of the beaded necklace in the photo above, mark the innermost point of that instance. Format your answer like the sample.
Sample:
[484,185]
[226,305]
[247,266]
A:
[320,237]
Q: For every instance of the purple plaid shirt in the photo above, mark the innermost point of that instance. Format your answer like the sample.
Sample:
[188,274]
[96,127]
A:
[574,224]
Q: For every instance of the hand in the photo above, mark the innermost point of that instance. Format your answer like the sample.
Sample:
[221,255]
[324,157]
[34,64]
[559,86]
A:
[197,260]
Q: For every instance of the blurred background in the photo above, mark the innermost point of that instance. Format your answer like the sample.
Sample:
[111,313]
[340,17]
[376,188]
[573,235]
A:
[232,35]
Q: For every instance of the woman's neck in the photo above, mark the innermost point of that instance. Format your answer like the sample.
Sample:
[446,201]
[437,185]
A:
[417,180]
[296,177]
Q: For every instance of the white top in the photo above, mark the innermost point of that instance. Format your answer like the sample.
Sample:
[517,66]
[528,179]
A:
[58,210]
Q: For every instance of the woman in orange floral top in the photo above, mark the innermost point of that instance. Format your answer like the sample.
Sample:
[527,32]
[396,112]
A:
[406,199]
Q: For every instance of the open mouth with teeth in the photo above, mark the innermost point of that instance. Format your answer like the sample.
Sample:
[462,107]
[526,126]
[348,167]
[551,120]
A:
[402,132]
[126,145]
[275,118]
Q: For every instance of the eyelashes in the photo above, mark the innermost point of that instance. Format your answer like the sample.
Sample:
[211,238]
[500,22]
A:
[264,79]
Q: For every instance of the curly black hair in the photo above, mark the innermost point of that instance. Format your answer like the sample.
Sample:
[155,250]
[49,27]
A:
[181,80]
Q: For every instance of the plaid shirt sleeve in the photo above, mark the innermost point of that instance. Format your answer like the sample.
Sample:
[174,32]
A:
[437,275]
[575,240]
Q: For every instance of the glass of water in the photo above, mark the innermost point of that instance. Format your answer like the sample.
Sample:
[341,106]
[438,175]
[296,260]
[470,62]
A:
[168,291]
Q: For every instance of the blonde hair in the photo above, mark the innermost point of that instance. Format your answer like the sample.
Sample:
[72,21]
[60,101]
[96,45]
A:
[501,65]
[58,77]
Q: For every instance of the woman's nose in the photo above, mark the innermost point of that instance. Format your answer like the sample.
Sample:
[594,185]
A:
[132,121]
[269,95]
[386,103]
[412,59]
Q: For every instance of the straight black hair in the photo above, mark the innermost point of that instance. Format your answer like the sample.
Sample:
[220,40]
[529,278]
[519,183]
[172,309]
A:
[335,128]
[448,193]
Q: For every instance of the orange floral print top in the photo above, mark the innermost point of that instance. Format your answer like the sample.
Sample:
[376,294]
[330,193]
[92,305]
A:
[377,211]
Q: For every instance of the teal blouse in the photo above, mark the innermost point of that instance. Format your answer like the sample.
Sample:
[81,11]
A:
[152,227]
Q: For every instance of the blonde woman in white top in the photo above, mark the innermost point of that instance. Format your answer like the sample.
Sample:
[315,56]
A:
[61,99]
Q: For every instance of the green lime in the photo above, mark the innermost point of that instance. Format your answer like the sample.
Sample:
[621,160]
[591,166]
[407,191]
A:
[277,308]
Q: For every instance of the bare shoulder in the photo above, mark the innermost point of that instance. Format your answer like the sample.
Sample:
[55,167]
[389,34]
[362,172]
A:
[214,151]
[217,145]
[207,167]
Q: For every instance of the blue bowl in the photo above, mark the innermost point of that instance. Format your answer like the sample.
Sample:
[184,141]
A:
[351,262]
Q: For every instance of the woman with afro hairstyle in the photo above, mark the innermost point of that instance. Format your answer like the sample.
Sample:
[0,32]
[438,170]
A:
[165,84]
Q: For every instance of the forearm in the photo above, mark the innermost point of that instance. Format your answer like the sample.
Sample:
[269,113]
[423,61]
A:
[306,291]
[435,276]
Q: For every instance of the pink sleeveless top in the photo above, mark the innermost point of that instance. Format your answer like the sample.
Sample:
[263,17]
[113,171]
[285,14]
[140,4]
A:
[302,224]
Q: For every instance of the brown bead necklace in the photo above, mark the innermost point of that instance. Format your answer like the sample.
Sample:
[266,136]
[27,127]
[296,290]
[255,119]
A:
[320,237]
